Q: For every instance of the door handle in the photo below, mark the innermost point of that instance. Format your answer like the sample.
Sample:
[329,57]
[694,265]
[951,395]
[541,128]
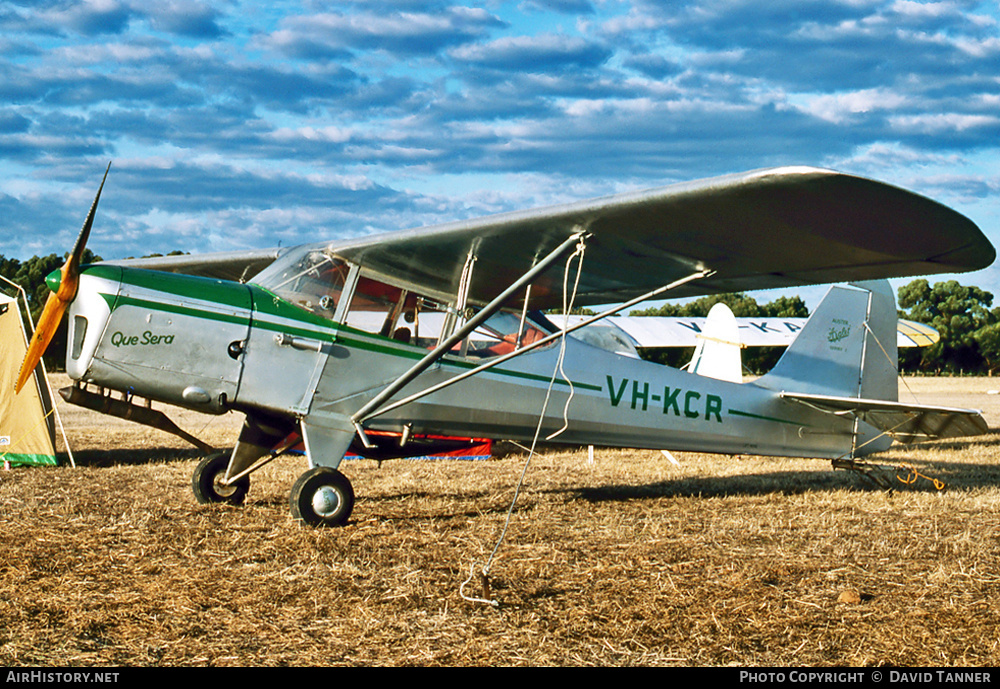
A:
[303,343]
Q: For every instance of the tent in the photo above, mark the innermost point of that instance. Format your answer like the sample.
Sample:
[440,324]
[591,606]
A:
[27,429]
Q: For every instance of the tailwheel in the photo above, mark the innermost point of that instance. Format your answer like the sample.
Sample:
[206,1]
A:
[322,497]
[208,485]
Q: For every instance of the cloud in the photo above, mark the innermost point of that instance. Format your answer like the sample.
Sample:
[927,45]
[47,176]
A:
[818,44]
[842,108]
[574,7]
[546,52]
[302,120]
[334,35]
[184,18]
[54,17]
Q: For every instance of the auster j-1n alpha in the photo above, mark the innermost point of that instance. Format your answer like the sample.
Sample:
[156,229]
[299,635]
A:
[328,345]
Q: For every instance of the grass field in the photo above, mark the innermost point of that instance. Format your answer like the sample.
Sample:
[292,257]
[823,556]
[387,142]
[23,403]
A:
[629,560]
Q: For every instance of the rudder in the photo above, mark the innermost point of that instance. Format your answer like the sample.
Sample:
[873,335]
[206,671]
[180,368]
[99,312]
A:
[847,347]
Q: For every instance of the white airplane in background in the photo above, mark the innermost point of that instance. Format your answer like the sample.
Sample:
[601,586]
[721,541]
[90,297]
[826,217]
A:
[654,332]
[282,349]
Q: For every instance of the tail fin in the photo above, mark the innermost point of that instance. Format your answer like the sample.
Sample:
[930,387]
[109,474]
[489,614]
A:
[717,354]
[847,347]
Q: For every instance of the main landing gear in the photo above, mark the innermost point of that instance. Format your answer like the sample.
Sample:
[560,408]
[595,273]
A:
[320,497]
[208,482]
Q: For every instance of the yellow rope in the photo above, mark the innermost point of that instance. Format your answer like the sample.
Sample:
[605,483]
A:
[913,475]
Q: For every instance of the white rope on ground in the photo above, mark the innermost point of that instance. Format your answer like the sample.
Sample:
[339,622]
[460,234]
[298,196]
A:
[485,571]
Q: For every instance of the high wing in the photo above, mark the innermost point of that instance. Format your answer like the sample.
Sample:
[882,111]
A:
[757,230]
[906,423]
[764,229]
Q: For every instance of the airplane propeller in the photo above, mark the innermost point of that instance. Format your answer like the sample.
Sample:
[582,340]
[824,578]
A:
[60,299]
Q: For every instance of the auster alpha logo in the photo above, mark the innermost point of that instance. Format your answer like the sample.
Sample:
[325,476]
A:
[839,330]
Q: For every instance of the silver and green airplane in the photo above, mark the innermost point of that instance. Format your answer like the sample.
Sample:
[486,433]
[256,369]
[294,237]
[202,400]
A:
[296,349]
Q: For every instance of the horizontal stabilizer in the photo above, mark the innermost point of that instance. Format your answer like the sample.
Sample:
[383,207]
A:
[906,423]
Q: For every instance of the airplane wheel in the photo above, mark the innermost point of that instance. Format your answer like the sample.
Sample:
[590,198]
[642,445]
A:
[322,497]
[207,482]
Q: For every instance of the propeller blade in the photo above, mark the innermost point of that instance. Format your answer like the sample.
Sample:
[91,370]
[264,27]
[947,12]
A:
[47,325]
[81,240]
[59,300]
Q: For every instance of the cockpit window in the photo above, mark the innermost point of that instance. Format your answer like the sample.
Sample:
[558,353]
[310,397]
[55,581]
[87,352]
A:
[502,333]
[376,308]
[307,277]
[311,278]
[396,313]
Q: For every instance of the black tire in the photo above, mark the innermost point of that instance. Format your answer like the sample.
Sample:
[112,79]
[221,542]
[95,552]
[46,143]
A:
[207,482]
[322,497]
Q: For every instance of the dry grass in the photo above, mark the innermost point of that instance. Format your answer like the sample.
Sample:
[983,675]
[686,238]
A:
[626,561]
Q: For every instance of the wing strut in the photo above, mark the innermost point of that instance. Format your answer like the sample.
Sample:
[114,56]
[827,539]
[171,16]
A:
[367,411]
[358,419]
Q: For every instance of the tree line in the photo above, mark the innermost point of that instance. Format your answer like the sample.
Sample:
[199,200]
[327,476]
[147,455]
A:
[964,316]
[30,276]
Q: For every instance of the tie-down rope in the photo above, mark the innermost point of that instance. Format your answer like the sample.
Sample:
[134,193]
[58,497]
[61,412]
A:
[568,299]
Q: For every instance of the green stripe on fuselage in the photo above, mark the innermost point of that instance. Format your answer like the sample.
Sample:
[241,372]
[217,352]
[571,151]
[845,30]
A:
[183,310]
[222,292]
[759,417]
[267,306]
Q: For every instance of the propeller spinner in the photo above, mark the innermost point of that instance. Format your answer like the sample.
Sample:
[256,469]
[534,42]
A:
[60,299]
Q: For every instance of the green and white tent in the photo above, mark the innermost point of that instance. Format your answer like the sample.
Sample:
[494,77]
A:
[27,429]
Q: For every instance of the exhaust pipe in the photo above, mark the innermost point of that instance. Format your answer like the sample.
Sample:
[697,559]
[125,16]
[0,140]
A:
[129,411]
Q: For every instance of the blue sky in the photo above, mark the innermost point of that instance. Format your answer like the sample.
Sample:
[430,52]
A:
[236,124]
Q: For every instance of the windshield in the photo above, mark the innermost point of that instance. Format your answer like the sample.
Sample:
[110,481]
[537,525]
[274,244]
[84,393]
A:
[308,277]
